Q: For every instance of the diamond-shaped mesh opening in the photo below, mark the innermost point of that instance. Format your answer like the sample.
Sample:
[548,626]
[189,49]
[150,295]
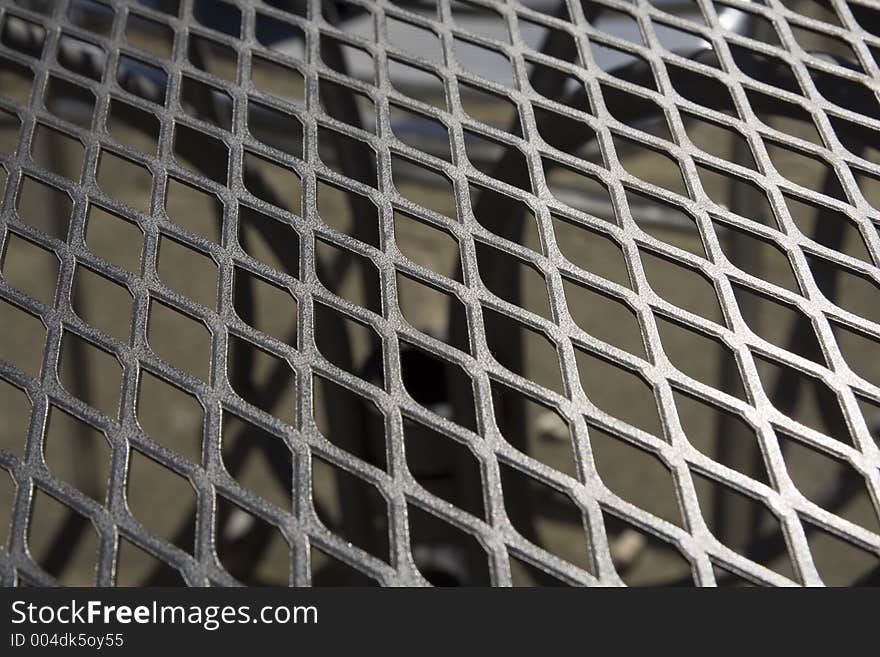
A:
[453,292]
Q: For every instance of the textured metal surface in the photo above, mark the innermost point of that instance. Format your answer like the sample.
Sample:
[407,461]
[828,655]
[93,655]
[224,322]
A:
[767,73]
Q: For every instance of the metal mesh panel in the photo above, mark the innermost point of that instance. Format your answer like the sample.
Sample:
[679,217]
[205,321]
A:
[613,129]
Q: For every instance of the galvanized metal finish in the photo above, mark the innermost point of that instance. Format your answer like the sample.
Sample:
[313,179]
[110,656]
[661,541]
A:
[839,95]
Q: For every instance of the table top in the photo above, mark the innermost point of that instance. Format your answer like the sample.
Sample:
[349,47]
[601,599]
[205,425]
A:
[439,291]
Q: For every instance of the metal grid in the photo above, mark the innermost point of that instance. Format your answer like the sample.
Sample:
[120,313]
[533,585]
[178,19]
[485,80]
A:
[735,83]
